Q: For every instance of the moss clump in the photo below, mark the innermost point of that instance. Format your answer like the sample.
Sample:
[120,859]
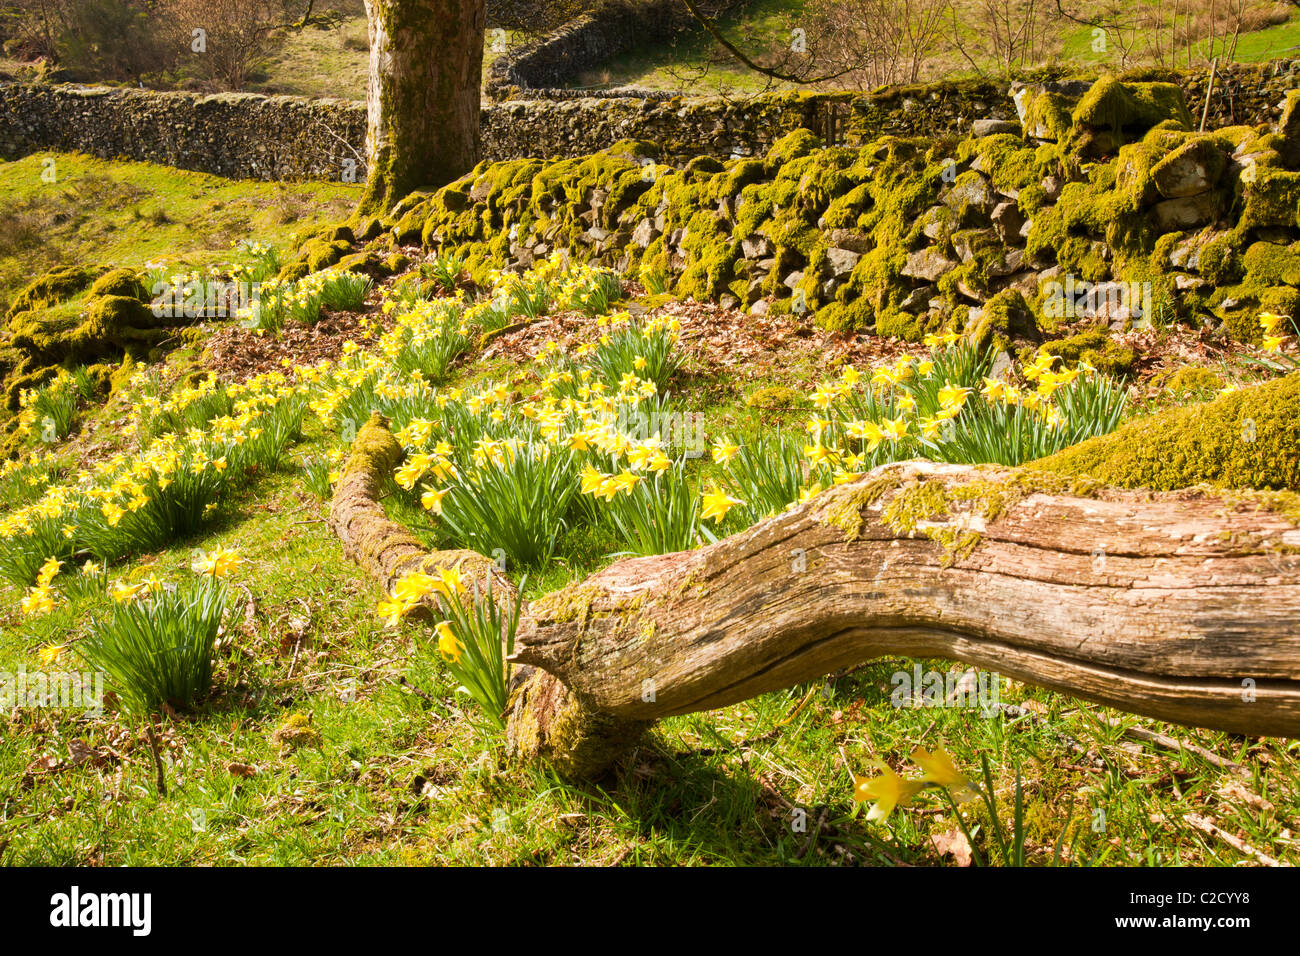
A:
[1097,348]
[115,320]
[845,316]
[1047,113]
[54,287]
[1270,200]
[1115,106]
[1245,439]
[1189,380]
[296,732]
[1005,317]
[120,282]
[774,397]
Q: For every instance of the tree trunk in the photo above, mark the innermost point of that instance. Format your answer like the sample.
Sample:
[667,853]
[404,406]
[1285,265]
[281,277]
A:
[422,100]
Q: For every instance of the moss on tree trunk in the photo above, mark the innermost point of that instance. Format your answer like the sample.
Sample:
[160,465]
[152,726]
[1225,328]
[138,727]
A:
[422,100]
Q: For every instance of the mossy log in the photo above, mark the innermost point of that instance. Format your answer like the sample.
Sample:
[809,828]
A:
[385,549]
[1183,606]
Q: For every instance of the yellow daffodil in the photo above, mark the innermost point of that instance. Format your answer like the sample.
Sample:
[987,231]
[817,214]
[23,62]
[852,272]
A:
[888,790]
[449,645]
[939,768]
[724,451]
[717,504]
[38,600]
[1269,322]
[220,563]
[431,500]
[48,572]
[50,653]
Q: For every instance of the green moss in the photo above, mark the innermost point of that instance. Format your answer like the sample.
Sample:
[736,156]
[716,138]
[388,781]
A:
[1096,347]
[845,317]
[1271,200]
[843,504]
[54,287]
[1245,439]
[1005,317]
[1115,106]
[570,603]
[115,320]
[790,147]
[120,282]
[1047,112]
[774,397]
[1219,262]
[1268,264]
[1189,380]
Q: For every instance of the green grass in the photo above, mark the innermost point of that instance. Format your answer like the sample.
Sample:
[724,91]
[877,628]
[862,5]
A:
[695,62]
[128,214]
[318,61]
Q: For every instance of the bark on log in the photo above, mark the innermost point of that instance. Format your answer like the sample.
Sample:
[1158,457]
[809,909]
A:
[1160,605]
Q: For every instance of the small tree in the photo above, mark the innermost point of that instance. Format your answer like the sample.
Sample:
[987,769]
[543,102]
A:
[225,39]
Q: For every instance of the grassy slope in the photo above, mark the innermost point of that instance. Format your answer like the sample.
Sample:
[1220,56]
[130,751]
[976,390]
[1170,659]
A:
[404,776]
[133,213]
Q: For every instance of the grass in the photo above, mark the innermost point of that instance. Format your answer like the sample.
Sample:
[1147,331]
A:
[128,214]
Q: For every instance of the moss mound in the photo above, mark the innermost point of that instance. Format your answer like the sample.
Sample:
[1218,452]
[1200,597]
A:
[54,287]
[123,282]
[1245,439]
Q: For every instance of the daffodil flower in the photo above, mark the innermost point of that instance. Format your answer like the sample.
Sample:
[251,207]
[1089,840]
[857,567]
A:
[889,790]
[717,504]
[939,769]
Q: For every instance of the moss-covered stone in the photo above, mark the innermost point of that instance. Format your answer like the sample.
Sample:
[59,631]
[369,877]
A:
[53,287]
[1133,107]
[1097,348]
[1189,381]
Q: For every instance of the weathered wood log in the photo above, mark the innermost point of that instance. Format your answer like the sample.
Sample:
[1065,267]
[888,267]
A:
[547,721]
[1181,606]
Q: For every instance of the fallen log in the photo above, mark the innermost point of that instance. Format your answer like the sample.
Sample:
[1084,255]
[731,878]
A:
[1183,605]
